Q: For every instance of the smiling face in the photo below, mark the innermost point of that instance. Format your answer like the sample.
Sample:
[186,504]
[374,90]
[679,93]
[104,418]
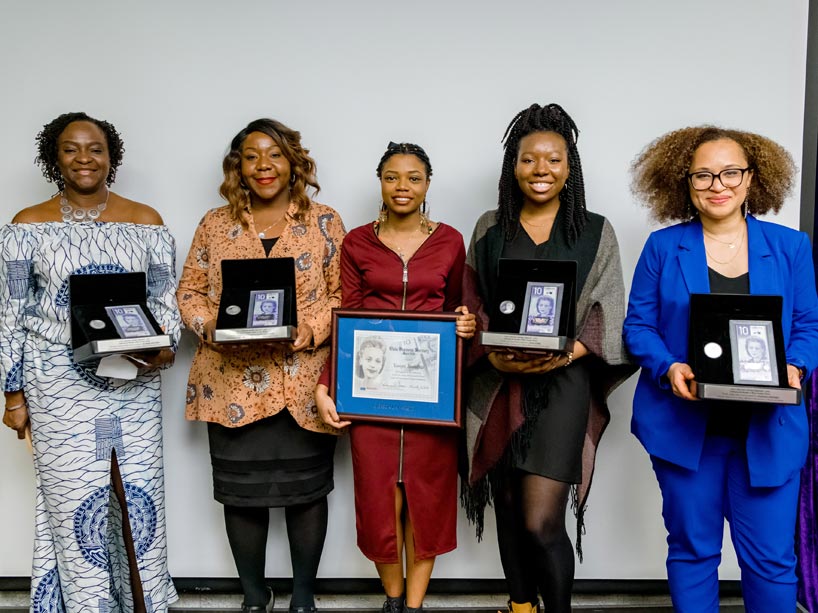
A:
[404,184]
[719,203]
[542,168]
[82,157]
[264,169]
[371,361]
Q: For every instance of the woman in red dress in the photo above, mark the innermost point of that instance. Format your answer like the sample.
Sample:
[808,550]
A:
[405,476]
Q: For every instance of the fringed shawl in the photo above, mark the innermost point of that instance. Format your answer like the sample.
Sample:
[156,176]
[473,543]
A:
[494,400]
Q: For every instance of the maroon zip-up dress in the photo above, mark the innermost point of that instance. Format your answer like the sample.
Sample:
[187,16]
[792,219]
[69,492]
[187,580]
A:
[423,459]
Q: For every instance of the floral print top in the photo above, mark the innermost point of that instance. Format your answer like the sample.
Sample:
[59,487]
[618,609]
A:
[238,386]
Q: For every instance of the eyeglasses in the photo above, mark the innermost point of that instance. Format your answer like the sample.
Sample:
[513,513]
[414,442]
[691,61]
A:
[729,177]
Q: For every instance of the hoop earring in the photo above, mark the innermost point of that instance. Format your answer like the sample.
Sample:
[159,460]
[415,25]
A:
[242,184]
[292,180]
[383,213]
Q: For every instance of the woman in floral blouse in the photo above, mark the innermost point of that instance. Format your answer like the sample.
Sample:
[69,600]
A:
[268,446]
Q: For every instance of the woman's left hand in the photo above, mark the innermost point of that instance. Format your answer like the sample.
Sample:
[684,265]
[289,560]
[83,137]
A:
[303,338]
[466,324]
[793,376]
[515,362]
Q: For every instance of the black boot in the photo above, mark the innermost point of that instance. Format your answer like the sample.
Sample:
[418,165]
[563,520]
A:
[393,605]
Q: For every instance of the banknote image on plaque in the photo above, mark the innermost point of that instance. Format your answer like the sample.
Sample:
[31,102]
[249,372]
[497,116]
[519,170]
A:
[753,347]
[534,307]
[396,366]
[264,309]
[129,320]
[542,309]
[110,315]
[736,349]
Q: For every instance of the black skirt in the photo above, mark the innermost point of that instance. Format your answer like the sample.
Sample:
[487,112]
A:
[272,462]
[554,433]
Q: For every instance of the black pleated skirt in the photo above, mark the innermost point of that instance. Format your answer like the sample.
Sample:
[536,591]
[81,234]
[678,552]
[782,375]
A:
[273,462]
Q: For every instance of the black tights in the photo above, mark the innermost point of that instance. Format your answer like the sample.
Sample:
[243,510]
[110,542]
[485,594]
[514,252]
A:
[535,550]
[247,532]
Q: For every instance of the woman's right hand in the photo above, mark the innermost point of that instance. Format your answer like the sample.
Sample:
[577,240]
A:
[207,331]
[326,408]
[679,374]
[17,419]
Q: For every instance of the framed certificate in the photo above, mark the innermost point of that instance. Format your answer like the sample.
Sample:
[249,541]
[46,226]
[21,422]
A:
[396,366]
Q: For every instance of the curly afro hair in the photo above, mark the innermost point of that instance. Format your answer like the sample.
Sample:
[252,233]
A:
[47,146]
[659,173]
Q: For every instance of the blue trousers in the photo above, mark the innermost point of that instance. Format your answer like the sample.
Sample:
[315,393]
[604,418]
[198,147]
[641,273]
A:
[762,526]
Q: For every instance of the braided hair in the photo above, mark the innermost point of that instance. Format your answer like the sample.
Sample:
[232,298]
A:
[405,149]
[536,118]
[47,146]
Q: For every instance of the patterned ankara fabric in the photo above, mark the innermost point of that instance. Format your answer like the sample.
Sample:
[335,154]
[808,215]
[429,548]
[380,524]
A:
[78,418]
[242,385]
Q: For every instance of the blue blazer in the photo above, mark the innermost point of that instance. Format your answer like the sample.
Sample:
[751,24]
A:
[672,266]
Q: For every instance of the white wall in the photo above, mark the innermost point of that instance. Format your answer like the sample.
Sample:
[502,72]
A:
[179,79]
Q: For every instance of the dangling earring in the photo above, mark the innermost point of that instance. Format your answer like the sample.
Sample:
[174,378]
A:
[383,214]
[292,180]
[746,206]
[425,223]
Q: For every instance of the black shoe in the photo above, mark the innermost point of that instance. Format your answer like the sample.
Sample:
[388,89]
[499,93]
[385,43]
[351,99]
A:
[303,609]
[393,605]
[412,610]
[261,609]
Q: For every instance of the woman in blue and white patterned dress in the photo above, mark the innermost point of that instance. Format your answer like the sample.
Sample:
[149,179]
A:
[97,441]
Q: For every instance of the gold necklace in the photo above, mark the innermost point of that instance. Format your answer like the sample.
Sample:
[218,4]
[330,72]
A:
[731,258]
[534,225]
[393,245]
[731,243]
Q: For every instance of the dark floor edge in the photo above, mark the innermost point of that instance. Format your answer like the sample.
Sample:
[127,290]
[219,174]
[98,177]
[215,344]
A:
[437,586]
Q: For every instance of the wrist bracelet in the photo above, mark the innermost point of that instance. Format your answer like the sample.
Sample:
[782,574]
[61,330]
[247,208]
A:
[570,356]
[14,407]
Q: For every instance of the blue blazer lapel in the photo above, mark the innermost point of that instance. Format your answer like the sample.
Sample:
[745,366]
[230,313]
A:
[692,259]
[761,261]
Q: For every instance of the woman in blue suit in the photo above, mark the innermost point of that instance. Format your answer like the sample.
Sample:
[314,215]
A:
[717,460]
